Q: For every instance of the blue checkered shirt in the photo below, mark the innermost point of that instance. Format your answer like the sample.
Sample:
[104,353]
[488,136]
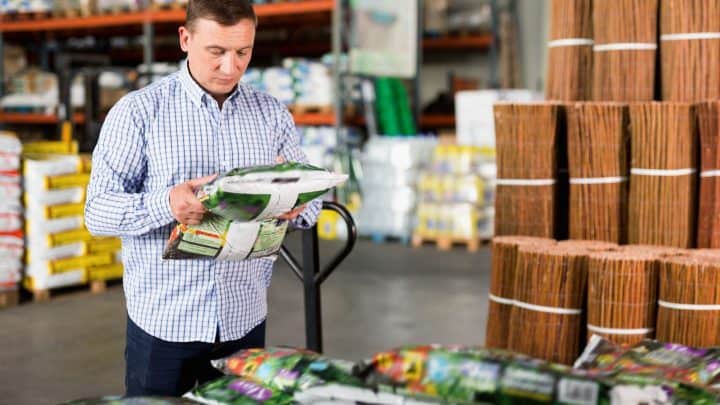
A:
[160,136]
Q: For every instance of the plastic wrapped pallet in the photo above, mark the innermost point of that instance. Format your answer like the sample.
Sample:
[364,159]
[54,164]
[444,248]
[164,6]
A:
[11,237]
[391,167]
[453,195]
[60,250]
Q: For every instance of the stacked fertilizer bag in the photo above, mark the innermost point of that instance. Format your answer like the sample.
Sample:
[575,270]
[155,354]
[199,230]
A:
[60,251]
[11,235]
[441,374]
[243,206]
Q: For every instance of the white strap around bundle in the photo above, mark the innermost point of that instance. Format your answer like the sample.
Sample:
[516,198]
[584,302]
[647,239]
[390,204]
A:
[614,331]
[597,180]
[710,173]
[685,36]
[570,42]
[549,310]
[533,307]
[688,307]
[501,300]
[525,182]
[626,46]
[662,172]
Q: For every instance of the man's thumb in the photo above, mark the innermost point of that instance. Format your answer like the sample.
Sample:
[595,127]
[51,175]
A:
[194,183]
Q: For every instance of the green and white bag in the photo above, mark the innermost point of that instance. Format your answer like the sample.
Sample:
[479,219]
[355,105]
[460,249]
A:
[243,206]
[265,192]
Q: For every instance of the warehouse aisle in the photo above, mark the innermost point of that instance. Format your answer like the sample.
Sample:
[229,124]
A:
[383,296]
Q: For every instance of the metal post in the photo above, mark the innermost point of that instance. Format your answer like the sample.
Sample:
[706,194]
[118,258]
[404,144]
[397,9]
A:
[337,15]
[148,48]
[495,14]
[2,65]
[313,309]
[417,82]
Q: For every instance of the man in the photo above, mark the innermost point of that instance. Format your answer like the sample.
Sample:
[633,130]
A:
[156,147]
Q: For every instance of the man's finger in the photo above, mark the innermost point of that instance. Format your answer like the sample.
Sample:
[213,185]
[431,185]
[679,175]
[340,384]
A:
[280,160]
[194,183]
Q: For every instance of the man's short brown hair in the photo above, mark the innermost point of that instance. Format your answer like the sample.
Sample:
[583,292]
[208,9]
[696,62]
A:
[223,12]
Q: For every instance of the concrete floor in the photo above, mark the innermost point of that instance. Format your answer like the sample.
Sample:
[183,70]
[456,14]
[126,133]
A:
[382,296]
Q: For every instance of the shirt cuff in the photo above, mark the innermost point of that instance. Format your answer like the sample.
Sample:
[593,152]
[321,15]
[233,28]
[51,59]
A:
[308,217]
[158,206]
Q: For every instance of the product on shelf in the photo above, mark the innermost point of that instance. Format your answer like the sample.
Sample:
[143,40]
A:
[390,169]
[690,50]
[622,295]
[11,236]
[60,251]
[527,199]
[624,50]
[663,174]
[454,198]
[597,150]
[502,286]
[689,300]
[708,235]
[570,50]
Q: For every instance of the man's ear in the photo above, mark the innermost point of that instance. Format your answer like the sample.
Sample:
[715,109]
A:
[184,37]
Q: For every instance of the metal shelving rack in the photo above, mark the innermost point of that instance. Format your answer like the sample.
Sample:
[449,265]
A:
[329,11]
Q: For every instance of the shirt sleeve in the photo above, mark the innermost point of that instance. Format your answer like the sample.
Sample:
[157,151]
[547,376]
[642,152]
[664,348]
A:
[116,203]
[289,148]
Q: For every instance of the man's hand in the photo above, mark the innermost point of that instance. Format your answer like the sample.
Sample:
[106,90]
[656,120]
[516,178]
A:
[185,207]
[292,214]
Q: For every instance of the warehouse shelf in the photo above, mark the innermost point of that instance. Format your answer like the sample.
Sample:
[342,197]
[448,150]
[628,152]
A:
[437,121]
[481,41]
[288,9]
[36,118]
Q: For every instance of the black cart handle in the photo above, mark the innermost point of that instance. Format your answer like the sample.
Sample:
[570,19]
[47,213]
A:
[320,277]
[312,277]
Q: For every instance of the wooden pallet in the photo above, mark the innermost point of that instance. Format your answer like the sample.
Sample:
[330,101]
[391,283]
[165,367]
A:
[95,287]
[9,298]
[382,238]
[445,243]
[311,109]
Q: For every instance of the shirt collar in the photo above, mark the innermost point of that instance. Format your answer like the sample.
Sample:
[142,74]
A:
[197,94]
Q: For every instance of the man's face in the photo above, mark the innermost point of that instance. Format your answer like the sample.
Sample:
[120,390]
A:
[218,55]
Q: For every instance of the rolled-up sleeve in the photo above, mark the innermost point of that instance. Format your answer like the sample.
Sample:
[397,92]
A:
[116,204]
[290,149]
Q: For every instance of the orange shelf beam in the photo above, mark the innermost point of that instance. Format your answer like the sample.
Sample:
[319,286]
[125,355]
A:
[437,121]
[34,118]
[464,42]
[157,16]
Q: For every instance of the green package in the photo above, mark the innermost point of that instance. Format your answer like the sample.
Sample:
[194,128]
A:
[232,390]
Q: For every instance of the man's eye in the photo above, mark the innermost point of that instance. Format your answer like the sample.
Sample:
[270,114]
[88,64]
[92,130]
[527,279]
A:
[216,52]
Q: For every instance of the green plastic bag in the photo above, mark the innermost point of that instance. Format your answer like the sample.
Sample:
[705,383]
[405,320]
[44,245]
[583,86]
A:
[232,390]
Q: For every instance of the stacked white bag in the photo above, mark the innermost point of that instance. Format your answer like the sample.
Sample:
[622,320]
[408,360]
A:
[11,236]
[60,250]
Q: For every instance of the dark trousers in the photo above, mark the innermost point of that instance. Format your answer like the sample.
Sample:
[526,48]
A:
[154,367]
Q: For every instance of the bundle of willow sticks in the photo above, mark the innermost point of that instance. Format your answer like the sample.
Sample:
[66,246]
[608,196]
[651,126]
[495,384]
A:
[622,295]
[526,198]
[625,44]
[690,50]
[708,235]
[569,71]
[502,283]
[662,207]
[689,300]
[546,320]
[598,150]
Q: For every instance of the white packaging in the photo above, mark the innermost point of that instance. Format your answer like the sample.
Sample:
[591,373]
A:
[474,117]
